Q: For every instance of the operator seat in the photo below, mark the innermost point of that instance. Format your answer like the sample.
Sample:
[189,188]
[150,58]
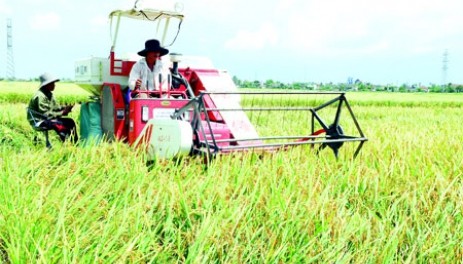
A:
[39,127]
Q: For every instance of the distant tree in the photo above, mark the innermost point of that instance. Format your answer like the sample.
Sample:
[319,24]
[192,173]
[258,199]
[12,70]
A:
[326,87]
[298,85]
[449,88]
[388,88]
[236,81]
[421,89]
[343,87]
[285,86]
[435,89]
[403,88]
[362,86]
[269,83]
[246,84]
[251,84]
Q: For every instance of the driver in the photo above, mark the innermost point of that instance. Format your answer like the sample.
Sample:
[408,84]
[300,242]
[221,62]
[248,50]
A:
[144,75]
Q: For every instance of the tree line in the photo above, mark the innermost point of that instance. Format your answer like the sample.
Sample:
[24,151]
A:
[350,85]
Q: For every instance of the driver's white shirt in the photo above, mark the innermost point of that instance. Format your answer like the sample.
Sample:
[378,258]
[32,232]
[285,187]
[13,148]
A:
[149,78]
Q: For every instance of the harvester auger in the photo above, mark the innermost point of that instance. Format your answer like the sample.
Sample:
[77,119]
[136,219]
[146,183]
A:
[239,123]
[200,111]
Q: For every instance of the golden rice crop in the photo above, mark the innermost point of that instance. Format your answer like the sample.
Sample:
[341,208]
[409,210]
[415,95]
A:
[398,201]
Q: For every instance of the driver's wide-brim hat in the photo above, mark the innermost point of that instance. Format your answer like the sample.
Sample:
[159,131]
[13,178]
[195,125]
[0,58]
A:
[154,46]
[47,78]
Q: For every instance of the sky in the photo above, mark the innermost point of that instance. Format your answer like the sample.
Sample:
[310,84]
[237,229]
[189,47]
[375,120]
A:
[382,42]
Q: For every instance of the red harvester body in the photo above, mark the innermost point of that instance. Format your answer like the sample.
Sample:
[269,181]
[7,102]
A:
[202,112]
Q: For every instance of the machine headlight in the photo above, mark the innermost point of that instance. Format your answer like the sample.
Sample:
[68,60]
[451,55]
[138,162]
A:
[144,113]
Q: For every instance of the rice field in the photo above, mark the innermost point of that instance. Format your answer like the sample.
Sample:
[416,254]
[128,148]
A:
[399,201]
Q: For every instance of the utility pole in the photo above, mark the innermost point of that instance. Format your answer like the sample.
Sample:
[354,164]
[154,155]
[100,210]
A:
[445,62]
[10,75]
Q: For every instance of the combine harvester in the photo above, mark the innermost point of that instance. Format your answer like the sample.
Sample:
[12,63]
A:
[201,112]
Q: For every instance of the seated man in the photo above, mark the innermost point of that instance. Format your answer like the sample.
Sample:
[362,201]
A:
[45,112]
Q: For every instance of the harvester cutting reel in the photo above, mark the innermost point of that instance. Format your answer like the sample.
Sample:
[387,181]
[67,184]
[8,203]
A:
[228,122]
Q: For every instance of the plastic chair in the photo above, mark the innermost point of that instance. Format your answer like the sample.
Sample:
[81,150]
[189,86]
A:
[36,126]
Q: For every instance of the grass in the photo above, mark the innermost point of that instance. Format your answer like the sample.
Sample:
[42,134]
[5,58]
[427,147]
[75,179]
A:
[61,89]
[21,92]
[398,202]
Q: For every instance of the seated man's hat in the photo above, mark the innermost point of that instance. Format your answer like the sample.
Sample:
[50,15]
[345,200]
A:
[47,78]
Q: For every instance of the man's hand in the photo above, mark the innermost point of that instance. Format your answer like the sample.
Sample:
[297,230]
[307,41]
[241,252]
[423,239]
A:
[138,84]
[67,109]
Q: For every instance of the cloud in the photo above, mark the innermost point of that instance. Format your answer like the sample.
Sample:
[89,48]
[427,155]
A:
[49,21]
[339,27]
[223,11]
[266,35]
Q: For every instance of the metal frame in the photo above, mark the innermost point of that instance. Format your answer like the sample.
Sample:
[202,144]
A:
[333,137]
[38,128]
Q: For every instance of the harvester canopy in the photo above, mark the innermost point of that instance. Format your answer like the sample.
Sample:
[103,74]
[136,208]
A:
[162,17]
[146,14]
